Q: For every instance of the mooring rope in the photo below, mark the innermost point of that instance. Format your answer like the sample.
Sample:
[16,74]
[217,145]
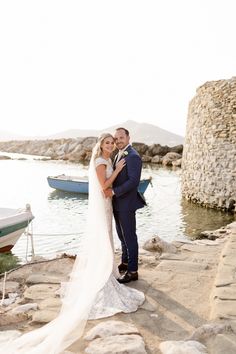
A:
[3,288]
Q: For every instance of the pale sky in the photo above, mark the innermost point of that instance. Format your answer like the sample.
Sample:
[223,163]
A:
[91,64]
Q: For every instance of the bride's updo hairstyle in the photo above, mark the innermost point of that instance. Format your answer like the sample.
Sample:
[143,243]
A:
[97,150]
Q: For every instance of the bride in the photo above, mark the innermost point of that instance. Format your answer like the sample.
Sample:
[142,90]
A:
[92,291]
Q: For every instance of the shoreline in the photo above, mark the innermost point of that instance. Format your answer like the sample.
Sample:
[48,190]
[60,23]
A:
[80,150]
[190,292]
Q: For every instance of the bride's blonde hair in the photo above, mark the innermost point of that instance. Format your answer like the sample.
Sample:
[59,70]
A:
[97,150]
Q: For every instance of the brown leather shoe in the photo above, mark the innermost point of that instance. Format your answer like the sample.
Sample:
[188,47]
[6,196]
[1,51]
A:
[122,267]
[128,277]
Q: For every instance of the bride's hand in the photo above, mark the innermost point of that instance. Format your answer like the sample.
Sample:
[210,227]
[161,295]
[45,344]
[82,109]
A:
[120,165]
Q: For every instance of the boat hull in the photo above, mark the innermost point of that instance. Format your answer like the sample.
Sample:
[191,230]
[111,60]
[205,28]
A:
[13,223]
[8,241]
[68,184]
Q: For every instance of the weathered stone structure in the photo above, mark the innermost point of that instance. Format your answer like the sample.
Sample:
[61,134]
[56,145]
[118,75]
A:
[209,156]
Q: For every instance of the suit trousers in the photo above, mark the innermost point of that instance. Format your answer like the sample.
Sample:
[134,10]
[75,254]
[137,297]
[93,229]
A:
[126,230]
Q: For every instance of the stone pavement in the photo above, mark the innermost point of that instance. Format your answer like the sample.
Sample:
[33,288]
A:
[190,306]
[223,297]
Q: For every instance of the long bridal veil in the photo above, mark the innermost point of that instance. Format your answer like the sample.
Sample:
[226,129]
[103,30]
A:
[90,273]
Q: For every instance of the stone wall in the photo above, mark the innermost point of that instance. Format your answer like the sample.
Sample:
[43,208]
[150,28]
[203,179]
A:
[209,156]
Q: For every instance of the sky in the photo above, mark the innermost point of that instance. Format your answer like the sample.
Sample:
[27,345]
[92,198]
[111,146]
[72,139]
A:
[92,64]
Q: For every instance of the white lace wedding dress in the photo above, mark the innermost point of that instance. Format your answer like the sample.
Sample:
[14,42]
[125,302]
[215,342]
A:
[92,291]
[114,297]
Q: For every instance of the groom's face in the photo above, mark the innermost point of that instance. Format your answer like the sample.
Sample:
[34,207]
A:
[121,139]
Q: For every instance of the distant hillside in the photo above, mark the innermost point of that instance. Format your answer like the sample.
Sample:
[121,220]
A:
[139,132]
[149,134]
[74,133]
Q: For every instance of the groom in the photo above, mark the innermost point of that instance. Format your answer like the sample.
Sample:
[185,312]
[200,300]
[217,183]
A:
[126,200]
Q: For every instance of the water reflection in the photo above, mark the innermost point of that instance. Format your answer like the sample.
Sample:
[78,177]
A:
[197,219]
[56,194]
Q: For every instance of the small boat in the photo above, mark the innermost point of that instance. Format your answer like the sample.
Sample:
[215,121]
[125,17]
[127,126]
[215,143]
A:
[76,184]
[13,223]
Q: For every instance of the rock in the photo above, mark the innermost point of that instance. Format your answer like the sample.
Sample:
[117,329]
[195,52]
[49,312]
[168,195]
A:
[40,291]
[111,328]
[89,142]
[212,235]
[156,159]
[146,158]
[156,244]
[140,148]
[12,297]
[24,308]
[57,267]
[177,163]
[50,303]
[157,149]
[7,319]
[209,330]
[3,157]
[43,278]
[50,152]
[77,156]
[80,149]
[177,148]
[169,157]
[124,344]
[10,287]
[44,316]
[182,347]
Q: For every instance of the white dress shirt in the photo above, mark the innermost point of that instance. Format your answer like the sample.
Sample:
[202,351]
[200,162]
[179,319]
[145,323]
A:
[120,153]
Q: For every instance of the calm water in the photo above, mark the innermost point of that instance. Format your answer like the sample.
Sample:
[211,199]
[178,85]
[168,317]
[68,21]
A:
[60,218]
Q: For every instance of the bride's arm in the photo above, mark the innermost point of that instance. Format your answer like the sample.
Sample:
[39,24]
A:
[101,173]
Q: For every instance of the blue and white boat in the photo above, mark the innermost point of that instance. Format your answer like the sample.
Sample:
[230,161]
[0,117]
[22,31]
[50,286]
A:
[75,184]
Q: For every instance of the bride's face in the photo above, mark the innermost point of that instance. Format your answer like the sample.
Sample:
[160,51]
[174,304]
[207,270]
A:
[108,145]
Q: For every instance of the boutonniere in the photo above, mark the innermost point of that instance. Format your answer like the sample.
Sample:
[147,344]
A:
[125,153]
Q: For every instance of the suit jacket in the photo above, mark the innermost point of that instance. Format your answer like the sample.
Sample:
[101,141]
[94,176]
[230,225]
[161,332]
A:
[125,186]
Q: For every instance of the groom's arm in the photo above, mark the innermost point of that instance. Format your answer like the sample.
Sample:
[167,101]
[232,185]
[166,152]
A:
[134,166]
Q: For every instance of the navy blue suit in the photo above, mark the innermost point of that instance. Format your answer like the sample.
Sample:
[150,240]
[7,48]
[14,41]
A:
[126,201]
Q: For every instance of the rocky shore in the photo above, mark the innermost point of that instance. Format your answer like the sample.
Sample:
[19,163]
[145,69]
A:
[79,150]
[190,306]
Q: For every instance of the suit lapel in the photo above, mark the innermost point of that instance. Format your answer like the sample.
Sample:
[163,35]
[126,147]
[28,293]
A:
[115,161]
[129,149]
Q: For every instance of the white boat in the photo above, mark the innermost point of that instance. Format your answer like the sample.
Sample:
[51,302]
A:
[13,223]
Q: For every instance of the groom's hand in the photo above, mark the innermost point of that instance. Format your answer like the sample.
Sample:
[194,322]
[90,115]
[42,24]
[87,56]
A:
[108,193]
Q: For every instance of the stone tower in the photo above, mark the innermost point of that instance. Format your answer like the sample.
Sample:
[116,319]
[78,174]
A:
[209,156]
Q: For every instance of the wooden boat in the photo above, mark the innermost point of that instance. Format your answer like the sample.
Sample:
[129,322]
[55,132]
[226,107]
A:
[80,184]
[13,223]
